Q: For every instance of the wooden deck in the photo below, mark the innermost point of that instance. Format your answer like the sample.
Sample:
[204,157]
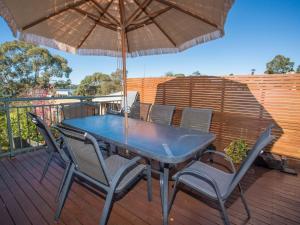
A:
[273,197]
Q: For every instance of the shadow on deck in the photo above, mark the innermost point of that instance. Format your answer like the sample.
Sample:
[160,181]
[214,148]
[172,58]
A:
[273,197]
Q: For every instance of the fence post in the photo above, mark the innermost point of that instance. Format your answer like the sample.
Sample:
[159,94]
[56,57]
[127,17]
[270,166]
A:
[9,130]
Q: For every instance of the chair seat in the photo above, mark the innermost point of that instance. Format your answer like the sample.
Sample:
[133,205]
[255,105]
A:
[222,179]
[115,162]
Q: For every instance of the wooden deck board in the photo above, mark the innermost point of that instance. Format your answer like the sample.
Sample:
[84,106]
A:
[273,198]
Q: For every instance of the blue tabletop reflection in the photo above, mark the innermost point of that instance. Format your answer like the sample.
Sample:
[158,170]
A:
[163,143]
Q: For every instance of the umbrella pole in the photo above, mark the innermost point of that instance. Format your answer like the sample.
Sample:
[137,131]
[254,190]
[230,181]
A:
[124,75]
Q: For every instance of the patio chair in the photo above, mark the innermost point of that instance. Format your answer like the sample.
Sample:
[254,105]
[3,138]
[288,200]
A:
[161,114]
[217,184]
[196,119]
[53,146]
[132,97]
[113,175]
[79,110]
[140,111]
[83,109]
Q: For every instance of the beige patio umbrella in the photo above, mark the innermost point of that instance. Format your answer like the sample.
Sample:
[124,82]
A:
[117,27]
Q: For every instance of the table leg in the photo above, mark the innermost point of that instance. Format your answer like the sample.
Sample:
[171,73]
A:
[164,191]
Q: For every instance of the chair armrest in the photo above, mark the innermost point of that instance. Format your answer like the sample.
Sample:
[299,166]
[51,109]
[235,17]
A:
[202,176]
[222,154]
[124,170]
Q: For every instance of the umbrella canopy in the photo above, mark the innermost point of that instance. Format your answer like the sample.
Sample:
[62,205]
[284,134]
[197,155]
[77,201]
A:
[93,27]
[117,27]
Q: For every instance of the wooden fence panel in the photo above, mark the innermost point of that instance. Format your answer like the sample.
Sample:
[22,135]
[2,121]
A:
[243,105]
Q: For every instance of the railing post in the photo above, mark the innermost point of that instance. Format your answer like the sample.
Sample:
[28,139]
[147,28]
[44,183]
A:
[9,130]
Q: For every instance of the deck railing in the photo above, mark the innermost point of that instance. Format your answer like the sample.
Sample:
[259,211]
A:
[18,134]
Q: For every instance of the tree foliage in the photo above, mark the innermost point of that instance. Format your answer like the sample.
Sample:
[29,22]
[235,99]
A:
[63,84]
[171,74]
[24,65]
[280,65]
[22,128]
[298,69]
[99,84]
[196,73]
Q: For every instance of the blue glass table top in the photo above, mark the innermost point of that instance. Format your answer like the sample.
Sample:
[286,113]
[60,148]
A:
[165,144]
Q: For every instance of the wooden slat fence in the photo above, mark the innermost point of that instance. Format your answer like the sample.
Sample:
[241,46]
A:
[243,105]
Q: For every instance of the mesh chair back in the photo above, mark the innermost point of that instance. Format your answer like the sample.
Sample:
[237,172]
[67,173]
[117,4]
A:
[161,114]
[47,135]
[264,139]
[78,110]
[44,131]
[140,111]
[132,97]
[86,155]
[196,119]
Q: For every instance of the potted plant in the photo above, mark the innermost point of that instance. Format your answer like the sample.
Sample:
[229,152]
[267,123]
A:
[237,151]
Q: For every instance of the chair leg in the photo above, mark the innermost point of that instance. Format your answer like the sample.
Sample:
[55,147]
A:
[64,193]
[107,208]
[224,212]
[47,165]
[244,201]
[149,181]
[173,195]
[63,180]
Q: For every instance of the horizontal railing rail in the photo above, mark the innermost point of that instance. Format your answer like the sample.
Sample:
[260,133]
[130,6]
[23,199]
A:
[22,99]
[18,134]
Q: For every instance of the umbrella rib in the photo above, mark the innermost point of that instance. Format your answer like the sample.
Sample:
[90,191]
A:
[174,6]
[138,12]
[98,6]
[137,26]
[85,13]
[157,25]
[108,26]
[106,8]
[87,35]
[154,14]
[146,20]
[38,21]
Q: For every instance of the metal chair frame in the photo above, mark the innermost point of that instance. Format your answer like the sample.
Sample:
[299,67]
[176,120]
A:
[110,189]
[264,139]
[53,148]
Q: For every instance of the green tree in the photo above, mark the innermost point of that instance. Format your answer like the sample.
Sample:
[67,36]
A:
[22,128]
[63,83]
[196,73]
[171,74]
[117,80]
[24,65]
[99,84]
[298,69]
[280,65]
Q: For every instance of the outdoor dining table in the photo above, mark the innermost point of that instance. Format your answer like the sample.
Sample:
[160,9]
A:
[165,144]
